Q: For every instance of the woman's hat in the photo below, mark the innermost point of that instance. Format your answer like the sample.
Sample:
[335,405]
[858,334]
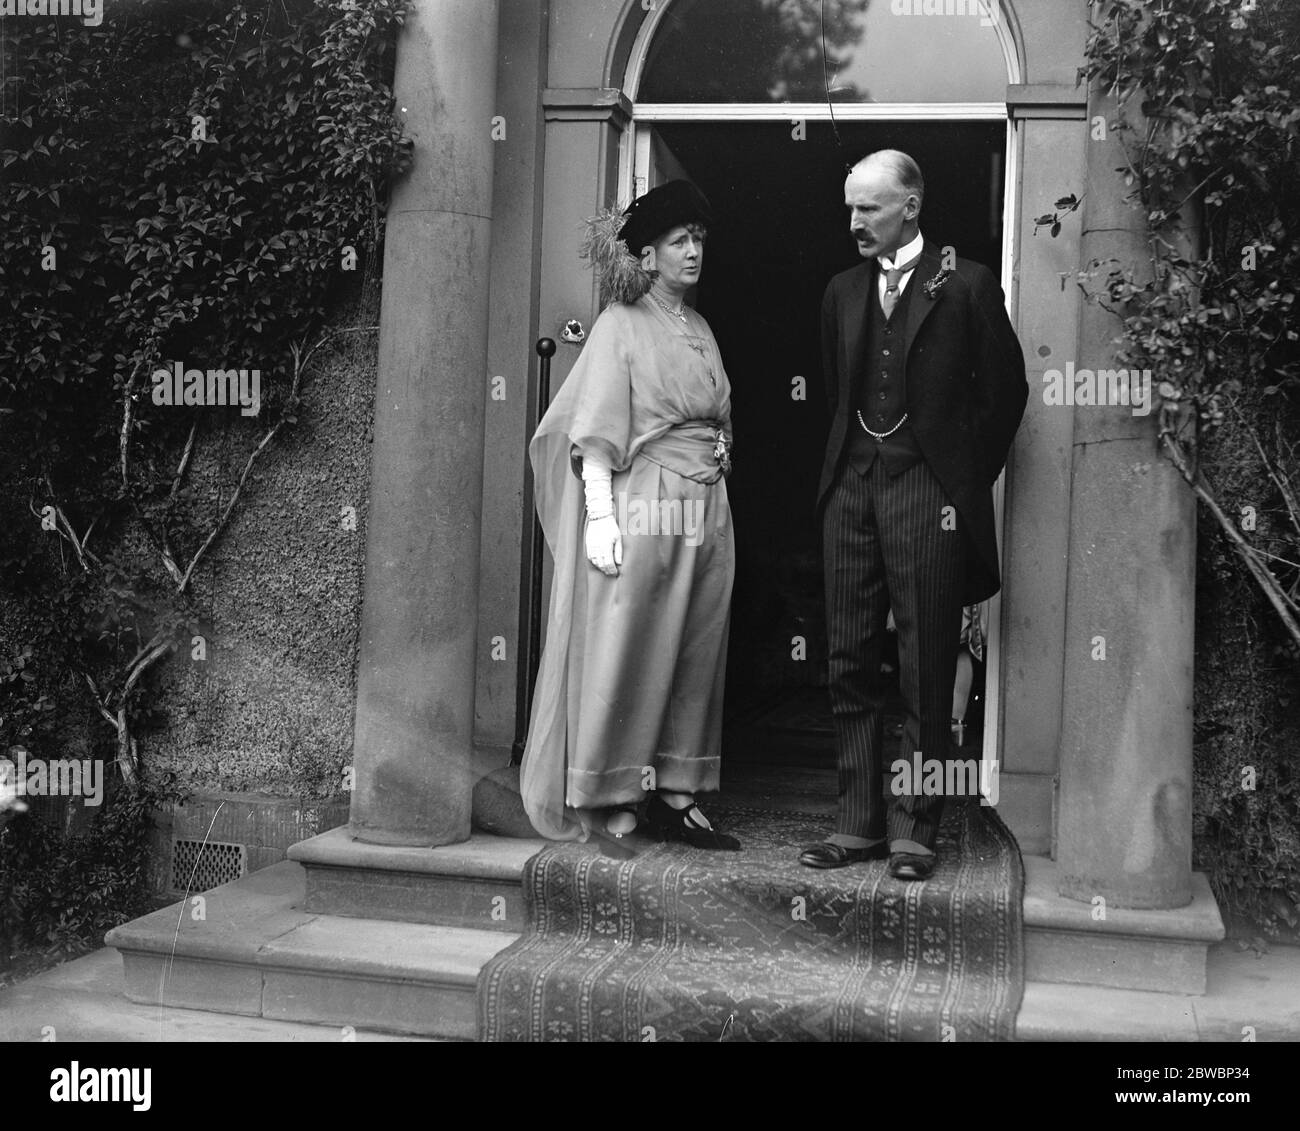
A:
[611,233]
[664,207]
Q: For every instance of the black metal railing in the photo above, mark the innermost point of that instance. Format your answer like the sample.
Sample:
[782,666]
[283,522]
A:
[530,656]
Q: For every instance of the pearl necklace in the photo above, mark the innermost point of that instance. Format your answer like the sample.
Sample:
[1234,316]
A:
[698,347]
[680,312]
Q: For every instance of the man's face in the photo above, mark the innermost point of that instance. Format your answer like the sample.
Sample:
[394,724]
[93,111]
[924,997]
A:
[882,216]
[679,256]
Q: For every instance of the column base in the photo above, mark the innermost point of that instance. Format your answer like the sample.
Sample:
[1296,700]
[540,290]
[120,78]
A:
[1163,951]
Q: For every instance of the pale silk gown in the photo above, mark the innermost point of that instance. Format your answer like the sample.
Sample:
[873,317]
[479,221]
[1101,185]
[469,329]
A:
[631,676]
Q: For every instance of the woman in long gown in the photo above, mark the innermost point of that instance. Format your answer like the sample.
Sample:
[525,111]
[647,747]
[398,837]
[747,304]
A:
[629,467]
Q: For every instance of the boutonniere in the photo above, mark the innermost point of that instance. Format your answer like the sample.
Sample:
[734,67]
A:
[931,286]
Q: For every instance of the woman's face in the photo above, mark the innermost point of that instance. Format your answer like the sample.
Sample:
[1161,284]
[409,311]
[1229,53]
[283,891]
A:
[678,256]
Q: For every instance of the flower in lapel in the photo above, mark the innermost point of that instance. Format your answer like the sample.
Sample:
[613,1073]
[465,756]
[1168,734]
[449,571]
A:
[932,285]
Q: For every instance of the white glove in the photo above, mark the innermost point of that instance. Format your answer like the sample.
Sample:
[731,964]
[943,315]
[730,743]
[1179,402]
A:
[604,540]
[605,544]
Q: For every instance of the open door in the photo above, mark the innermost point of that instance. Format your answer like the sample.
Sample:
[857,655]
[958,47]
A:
[781,232]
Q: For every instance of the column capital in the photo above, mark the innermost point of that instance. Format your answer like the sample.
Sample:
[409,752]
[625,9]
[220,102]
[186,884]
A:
[1047,100]
[587,104]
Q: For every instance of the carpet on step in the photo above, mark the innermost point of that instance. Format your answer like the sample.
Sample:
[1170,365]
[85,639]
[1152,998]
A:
[684,945]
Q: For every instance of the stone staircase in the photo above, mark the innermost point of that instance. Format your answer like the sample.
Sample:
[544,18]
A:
[392,940]
[341,934]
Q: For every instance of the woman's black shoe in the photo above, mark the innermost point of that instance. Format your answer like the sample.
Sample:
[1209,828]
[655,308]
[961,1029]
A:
[679,824]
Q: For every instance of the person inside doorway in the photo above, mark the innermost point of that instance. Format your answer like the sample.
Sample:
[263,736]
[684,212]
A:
[925,382]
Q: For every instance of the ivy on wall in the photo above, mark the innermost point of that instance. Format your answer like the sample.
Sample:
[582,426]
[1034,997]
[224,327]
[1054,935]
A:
[1206,105]
[187,186]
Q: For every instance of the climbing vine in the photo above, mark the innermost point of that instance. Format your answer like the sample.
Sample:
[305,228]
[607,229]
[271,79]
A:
[1206,106]
[1205,102]
[187,187]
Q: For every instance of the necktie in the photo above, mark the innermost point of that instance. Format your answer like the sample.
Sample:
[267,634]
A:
[894,276]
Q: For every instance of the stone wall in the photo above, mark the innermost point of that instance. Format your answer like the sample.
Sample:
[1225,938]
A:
[271,708]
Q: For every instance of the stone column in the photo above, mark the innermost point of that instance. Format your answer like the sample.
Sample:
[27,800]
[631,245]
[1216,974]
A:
[415,686]
[1125,806]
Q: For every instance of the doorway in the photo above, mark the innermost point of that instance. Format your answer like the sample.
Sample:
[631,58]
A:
[780,234]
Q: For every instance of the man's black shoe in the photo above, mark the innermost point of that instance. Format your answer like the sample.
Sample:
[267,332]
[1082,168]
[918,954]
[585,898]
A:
[828,854]
[911,866]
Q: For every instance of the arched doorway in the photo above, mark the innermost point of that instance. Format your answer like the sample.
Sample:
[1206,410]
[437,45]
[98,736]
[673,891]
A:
[764,105]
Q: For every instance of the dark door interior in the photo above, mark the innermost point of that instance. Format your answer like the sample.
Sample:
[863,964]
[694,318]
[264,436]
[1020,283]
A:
[781,232]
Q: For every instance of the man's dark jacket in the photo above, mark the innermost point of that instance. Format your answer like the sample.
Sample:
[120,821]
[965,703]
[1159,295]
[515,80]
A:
[965,388]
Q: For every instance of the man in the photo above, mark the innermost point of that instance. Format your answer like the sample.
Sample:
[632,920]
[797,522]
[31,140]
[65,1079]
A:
[926,385]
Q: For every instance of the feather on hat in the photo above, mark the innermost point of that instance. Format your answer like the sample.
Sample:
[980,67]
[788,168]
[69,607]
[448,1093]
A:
[622,278]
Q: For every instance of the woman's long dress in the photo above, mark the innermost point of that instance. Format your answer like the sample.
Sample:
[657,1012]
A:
[629,689]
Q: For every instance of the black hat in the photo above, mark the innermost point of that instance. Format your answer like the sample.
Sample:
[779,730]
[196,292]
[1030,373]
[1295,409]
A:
[662,208]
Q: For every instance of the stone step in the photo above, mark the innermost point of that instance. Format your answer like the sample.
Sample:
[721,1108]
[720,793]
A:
[82,1000]
[475,884]
[288,943]
[257,954]
[251,948]
[1160,951]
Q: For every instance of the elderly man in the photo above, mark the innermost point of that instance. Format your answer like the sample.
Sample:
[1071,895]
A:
[926,385]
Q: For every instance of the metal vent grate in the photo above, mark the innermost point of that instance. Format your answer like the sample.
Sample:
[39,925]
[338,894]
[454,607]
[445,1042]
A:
[218,864]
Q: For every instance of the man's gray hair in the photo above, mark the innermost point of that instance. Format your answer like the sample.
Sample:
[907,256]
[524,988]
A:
[905,170]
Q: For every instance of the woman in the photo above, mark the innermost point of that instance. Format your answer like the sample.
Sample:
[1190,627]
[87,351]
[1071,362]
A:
[628,466]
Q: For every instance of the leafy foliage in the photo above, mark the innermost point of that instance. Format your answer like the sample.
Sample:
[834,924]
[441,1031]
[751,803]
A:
[1206,105]
[60,891]
[190,182]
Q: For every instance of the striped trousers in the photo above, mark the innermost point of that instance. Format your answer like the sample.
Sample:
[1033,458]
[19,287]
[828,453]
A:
[890,543]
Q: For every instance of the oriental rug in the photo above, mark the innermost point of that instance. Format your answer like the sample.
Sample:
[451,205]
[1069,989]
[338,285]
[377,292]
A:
[682,945]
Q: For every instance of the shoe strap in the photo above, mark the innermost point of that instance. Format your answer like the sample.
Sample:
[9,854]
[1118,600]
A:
[690,821]
[683,814]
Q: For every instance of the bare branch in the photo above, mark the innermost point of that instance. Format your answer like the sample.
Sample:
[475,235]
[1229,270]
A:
[185,461]
[125,747]
[1284,488]
[63,528]
[230,506]
[169,564]
[128,411]
[1274,557]
[300,360]
[1286,609]
[99,702]
[301,365]
[144,665]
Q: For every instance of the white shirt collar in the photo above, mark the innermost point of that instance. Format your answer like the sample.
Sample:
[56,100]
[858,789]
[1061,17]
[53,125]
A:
[905,253]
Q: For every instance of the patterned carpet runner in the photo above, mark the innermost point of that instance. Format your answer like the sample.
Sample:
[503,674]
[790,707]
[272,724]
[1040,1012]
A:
[684,945]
